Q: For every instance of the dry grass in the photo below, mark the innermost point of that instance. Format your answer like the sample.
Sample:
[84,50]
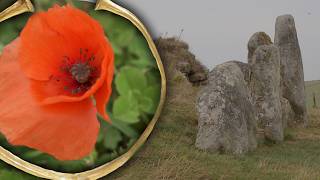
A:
[314,118]
[170,151]
[313,88]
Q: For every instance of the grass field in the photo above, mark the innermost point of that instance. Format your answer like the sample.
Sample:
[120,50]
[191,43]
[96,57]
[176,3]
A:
[313,89]
[170,153]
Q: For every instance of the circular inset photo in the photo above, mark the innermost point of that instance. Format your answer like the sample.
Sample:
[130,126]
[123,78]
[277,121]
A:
[78,87]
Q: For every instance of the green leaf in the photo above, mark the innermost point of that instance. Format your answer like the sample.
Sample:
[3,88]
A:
[12,27]
[72,166]
[1,47]
[100,136]
[112,138]
[124,128]
[104,19]
[125,108]
[9,29]
[91,159]
[142,62]
[153,77]
[116,49]
[103,159]
[129,79]
[13,175]
[145,103]
[120,31]
[116,123]
[140,48]
[32,154]
[153,92]
[125,32]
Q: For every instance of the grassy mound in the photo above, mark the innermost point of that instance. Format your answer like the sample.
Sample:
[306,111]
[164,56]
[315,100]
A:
[177,57]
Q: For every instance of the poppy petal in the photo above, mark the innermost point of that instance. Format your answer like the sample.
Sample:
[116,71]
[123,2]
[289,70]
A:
[61,32]
[67,131]
[103,94]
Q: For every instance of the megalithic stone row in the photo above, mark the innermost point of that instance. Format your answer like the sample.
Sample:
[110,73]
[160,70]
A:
[268,93]
[226,115]
[265,88]
[292,76]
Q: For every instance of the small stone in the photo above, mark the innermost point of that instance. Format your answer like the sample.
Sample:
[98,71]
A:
[256,40]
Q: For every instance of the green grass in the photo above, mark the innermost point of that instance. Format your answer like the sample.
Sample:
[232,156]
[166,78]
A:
[170,152]
[312,88]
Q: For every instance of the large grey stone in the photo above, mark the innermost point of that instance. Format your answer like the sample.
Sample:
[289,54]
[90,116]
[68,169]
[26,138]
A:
[265,88]
[246,70]
[226,118]
[256,40]
[292,77]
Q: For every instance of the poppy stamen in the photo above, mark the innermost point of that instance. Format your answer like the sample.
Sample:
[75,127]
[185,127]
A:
[81,72]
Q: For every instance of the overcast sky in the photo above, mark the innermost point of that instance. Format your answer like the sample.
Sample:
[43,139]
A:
[218,31]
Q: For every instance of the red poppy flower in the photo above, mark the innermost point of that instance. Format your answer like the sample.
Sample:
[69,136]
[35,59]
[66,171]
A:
[48,77]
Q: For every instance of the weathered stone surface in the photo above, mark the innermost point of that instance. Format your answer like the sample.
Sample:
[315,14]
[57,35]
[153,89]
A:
[292,77]
[265,88]
[245,68]
[256,40]
[287,113]
[226,117]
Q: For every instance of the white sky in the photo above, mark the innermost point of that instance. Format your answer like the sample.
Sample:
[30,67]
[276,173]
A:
[218,31]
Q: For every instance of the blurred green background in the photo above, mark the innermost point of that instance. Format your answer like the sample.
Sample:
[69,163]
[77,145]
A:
[136,91]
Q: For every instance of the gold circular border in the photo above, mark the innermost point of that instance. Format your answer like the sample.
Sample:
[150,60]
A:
[22,6]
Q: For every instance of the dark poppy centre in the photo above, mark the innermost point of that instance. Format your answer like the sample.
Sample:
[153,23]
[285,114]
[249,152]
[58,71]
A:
[81,72]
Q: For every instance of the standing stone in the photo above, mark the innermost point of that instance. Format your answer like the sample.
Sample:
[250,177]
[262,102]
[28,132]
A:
[265,87]
[292,77]
[287,113]
[226,117]
[256,40]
